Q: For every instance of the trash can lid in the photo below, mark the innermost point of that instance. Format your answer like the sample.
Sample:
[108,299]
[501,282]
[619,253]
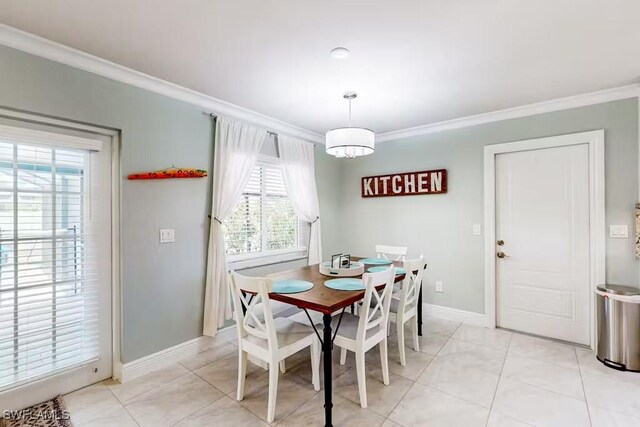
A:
[619,289]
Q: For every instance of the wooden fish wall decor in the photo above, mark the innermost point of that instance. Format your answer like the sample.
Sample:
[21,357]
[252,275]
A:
[169,173]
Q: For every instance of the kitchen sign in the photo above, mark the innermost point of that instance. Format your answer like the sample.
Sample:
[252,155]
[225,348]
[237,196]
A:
[405,184]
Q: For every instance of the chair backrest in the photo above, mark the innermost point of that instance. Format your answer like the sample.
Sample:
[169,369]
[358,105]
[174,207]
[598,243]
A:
[375,305]
[394,253]
[411,284]
[253,311]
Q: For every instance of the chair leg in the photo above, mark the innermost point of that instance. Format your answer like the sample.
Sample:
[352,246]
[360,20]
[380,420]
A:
[343,356]
[273,391]
[403,358]
[384,361]
[242,373]
[283,367]
[414,332]
[362,380]
[315,364]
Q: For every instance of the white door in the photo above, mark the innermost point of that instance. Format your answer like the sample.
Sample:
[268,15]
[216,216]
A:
[542,216]
[55,263]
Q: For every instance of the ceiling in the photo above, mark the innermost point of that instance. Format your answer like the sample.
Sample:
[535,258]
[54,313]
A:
[412,62]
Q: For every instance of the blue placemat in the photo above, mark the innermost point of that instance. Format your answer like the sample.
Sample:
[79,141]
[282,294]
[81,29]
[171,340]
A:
[376,261]
[345,284]
[291,286]
[399,270]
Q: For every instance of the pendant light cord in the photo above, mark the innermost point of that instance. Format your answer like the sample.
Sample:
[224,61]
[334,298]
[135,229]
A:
[349,123]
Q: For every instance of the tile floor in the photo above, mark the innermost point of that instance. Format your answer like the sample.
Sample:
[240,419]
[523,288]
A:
[463,376]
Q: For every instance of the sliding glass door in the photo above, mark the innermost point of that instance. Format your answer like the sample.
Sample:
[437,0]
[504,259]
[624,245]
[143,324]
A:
[55,262]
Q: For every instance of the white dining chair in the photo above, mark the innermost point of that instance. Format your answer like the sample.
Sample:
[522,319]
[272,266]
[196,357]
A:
[360,334]
[405,308]
[393,253]
[265,338]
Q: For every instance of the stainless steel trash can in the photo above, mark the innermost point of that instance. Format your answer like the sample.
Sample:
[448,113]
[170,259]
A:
[619,327]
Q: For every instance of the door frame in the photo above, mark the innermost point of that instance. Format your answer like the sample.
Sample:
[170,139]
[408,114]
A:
[116,273]
[597,232]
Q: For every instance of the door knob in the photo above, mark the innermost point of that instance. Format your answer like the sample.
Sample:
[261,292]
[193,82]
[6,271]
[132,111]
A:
[502,255]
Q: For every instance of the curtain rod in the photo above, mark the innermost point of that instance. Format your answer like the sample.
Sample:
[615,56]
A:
[215,116]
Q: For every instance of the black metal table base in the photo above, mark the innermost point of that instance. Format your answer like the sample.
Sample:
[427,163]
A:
[420,311]
[327,344]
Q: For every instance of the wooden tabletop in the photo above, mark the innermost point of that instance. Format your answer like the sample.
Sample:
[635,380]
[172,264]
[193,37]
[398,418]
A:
[320,298]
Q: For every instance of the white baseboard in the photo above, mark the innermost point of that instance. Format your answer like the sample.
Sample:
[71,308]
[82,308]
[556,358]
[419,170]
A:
[449,313]
[166,357]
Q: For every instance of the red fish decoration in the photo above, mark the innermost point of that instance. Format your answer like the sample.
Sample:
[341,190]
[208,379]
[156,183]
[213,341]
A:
[169,173]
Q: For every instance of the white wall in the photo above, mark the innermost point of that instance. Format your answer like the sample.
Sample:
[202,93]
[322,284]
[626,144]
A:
[439,226]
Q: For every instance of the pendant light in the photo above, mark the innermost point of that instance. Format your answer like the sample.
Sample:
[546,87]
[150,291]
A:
[350,142]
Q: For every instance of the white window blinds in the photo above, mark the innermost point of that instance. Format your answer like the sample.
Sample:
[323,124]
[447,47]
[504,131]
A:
[48,295]
[263,221]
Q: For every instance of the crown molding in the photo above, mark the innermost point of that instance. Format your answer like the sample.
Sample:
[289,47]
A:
[39,46]
[614,94]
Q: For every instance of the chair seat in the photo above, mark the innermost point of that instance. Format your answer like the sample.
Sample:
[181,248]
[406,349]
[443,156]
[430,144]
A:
[287,332]
[349,326]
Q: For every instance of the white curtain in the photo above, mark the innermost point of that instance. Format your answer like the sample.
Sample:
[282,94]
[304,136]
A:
[237,146]
[299,178]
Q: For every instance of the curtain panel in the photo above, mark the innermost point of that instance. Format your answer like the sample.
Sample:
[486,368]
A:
[236,149]
[298,170]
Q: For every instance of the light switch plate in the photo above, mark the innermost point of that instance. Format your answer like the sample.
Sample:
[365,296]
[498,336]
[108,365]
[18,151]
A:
[619,231]
[439,287]
[476,230]
[167,235]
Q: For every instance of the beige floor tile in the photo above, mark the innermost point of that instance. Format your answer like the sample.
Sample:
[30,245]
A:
[223,373]
[429,343]
[173,401]
[539,407]
[345,413]
[607,392]
[469,355]
[543,350]
[545,375]
[116,416]
[389,423]
[601,417]
[89,401]
[498,420]
[210,355]
[304,369]
[468,383]
[125,392]
[434,325]
[417,362]
[223,412]
[293,392]
[380,398]
[589,364]
[495,338]
[424,406]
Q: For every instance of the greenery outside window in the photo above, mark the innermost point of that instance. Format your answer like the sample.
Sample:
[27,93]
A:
[263,223]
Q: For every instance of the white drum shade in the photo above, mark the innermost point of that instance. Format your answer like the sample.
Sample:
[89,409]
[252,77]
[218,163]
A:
[350,142]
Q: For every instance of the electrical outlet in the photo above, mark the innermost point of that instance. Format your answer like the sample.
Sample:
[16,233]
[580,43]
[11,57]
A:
[439,286]
[619,231]
[167,235]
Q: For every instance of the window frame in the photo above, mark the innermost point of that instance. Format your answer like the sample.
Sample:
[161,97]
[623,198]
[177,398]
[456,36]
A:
[258,259]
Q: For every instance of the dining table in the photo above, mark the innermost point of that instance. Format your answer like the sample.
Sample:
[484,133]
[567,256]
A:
[327,301]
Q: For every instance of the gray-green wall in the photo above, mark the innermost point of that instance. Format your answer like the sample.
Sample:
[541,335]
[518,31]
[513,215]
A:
[162,285]
[439,226]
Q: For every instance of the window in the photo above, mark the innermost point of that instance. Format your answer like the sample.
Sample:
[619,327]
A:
[47,290]
[263,221]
